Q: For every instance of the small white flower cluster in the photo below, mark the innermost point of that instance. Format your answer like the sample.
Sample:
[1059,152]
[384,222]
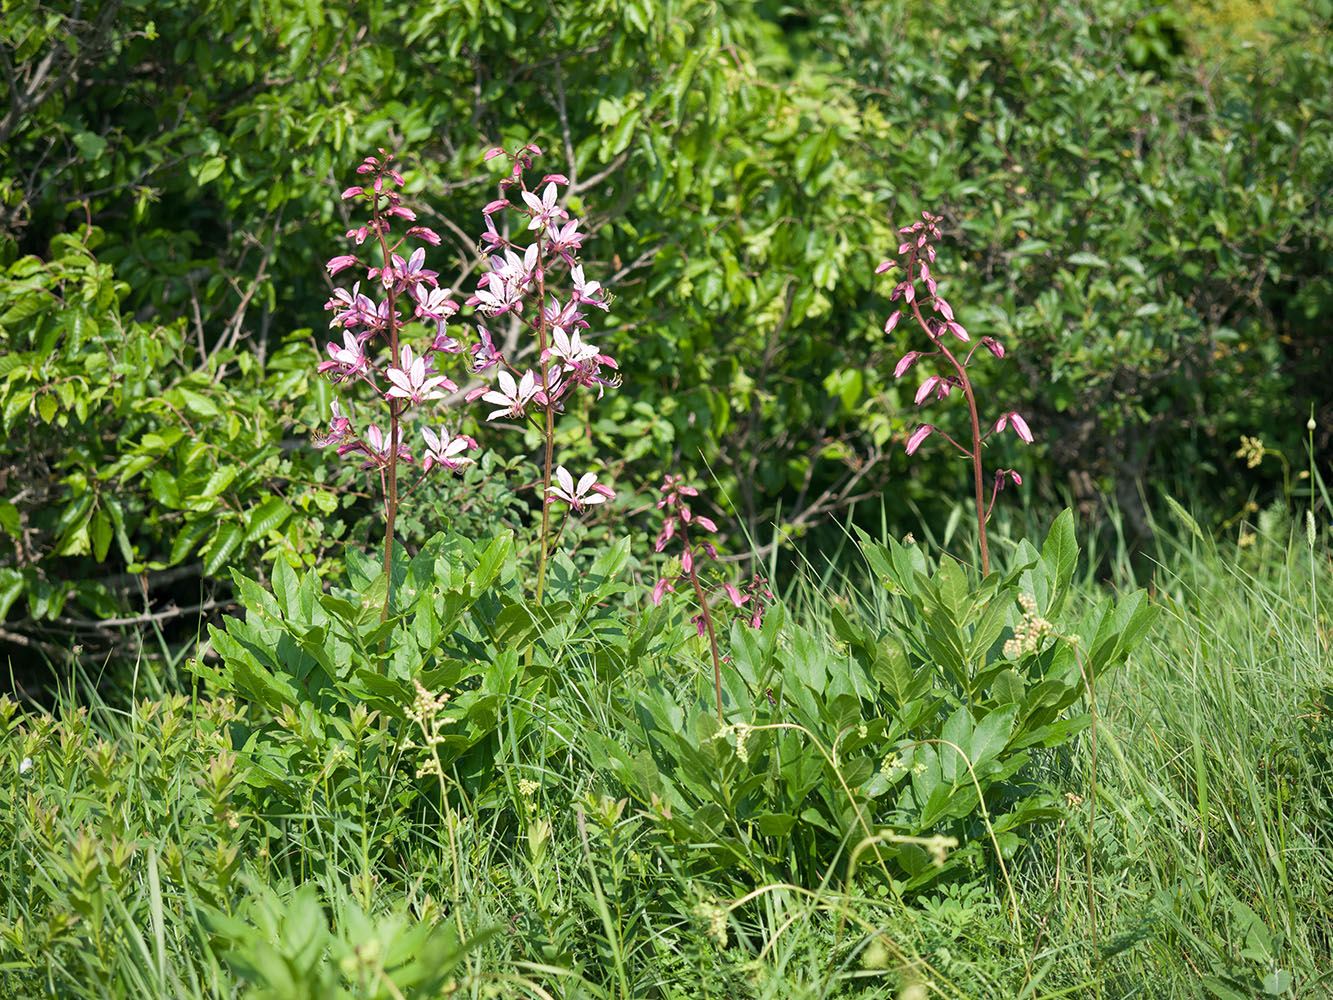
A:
[425,709]
[1031,632]
[715,916]
[742,731]
[1252,450]
[892,767]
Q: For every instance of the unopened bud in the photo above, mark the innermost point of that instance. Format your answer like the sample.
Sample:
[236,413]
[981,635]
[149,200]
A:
[1310,424]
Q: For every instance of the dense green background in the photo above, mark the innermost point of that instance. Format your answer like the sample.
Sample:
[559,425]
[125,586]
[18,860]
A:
[1136,202]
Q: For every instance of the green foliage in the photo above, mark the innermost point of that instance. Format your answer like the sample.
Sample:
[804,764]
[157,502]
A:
[1152,246]
[130,454]
[282,944]
[206,847]
[1138,241]
[913,726]
[356,797]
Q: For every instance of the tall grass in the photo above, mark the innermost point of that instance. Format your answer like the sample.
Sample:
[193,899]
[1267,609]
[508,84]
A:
[138,860]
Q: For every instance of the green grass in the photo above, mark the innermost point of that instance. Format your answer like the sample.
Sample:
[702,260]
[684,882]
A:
[144,853]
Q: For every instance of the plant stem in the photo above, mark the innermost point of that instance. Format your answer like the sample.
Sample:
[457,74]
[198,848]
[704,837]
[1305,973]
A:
[975,453]
[391,494]
[1090,682]
[976,467]
[708,625]
[548,430]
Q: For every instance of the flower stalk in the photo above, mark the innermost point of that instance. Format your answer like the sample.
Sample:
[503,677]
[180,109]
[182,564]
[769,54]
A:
[916,254]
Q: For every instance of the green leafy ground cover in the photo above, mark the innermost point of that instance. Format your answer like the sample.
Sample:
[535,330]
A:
[571,822]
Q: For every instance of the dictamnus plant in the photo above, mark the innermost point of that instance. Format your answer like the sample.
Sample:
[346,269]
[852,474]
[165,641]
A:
[678,521]
[373,352]
[916,254]
[540,361]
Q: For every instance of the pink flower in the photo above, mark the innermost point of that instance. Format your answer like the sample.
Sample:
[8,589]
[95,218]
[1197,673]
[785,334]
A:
[411,381]
[567,317]
[441,449]
[956,330]
[938,384]
[425,234]
[1020,426]
[544,210]
[586,493]
[905,362]
[570,351]
[434,303]
[564,240]
[512,397]
[918,435]
[484,354]
[340,263]
[498,297]
[403,274]
[346,361]
[339,428]
[350,308]
[663,587]
[586,291]
[376,449]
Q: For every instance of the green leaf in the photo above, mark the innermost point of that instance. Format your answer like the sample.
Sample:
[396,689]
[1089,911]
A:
[491,562]
[100,531]
[209,169]
[613,560]
[893,670]
[991,735]
[1060,554]
[90,146]
[1183,516]
[9,518]
[1007,687]
[268,516]
[1085,259]
[188,537]
[11,586]
[199,405]
[773,824]
[225,541]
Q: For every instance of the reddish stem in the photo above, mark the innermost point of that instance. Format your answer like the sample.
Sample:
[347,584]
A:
[708,620]
[975,454]
[395,409]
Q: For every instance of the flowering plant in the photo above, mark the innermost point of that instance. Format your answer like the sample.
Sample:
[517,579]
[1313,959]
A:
[403,379]
[518,276]
[677,522]
[916,254]
[515,276]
